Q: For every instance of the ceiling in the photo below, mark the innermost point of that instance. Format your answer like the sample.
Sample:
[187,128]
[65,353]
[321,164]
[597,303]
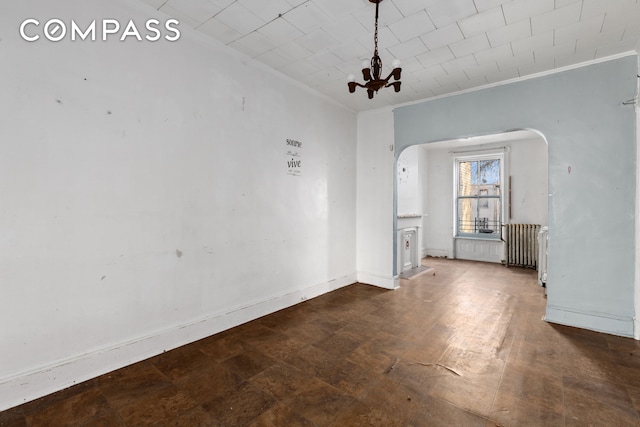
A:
[446,46]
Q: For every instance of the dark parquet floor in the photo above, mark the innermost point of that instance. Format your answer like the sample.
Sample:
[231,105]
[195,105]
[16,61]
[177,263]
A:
[466,346]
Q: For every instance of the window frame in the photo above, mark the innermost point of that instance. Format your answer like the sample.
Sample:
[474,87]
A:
[457,160]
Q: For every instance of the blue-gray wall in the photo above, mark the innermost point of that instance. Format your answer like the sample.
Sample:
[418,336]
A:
[592,152]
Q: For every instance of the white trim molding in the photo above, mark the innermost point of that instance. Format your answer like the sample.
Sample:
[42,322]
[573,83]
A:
[600,322]
[385,282]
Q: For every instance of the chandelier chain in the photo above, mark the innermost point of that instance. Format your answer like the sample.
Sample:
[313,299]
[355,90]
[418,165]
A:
[375,37]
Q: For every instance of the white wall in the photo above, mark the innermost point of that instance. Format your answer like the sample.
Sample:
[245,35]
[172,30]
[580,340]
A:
[637,277]
[439,220]
[375,197]
[145,196]
[410,185]
[423,162]
[529,170]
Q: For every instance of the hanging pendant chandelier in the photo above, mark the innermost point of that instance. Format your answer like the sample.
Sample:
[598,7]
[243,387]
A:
[371,71]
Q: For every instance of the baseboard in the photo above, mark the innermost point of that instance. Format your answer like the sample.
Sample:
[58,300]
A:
[600,322]
[40,382]
[386,282]
[439,253]
[636,329]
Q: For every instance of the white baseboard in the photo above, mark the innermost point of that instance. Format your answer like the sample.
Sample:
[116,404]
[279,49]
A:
[40,382]
[386,282]
[439,253]
[600,322]
[636,329]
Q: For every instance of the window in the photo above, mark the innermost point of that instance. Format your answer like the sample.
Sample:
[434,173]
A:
[479,196]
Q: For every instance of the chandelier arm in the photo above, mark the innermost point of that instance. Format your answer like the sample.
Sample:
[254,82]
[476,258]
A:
[395,85]
[396,73]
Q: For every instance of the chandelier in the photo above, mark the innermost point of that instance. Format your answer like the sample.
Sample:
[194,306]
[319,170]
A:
[371,71]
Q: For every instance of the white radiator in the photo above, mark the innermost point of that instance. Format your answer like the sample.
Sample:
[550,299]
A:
[522,244]
[543,238]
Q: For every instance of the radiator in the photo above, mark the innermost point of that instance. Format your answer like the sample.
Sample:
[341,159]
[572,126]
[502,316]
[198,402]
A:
[543,239]
[522,244]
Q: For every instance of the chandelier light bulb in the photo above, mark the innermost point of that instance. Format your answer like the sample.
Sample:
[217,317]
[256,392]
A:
[396,63]
[351,78]
[366,63]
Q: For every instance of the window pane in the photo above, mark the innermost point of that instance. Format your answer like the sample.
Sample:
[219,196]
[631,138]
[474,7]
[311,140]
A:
[466,209]
[479,176]
[489,172]
[477,215]
[465,178]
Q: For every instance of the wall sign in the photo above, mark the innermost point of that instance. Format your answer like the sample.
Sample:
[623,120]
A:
[294,157]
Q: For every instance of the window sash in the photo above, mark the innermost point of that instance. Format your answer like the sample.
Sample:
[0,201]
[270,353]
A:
[487,224]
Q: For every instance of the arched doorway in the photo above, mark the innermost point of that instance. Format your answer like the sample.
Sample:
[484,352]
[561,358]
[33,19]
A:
[427,203]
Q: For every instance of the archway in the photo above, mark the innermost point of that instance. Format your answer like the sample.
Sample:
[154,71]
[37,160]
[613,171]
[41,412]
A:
[424,195]
[592,166]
